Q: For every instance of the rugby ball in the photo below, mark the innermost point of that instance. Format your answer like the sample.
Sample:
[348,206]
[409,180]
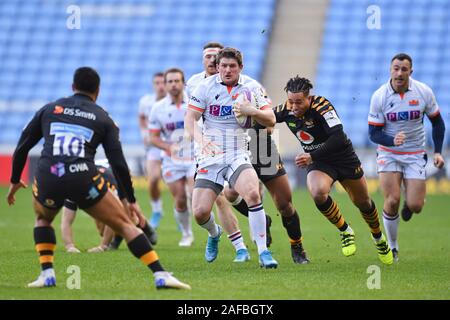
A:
[245,121]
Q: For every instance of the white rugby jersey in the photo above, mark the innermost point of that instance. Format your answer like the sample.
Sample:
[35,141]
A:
[146,103]
[193,82]
[215,101]
[403,112]
[168,119]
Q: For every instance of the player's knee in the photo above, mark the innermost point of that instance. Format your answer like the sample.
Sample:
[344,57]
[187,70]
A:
[319,195]
[43,221]
[393,201]
[181,203]
[364,204]
[230,194]
[416,206]
[221,201]
[285,207]
[154,182]
[200,212]
[253,198]
[121,226]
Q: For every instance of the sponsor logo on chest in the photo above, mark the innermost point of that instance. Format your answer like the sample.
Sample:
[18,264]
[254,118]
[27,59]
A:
[171,126]
[75,112]
[305,137]
[403,115]
[220,111]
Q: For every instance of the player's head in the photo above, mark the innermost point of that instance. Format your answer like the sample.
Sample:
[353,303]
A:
[401,69]
[158,84]
[210,51]
[86,80]
[229,64]
[174,81]
[297,90]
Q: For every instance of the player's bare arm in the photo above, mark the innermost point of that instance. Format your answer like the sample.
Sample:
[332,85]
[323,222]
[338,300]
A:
[263,116]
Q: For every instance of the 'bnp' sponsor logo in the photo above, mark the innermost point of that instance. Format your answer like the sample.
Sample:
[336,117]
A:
[171,126]
[403,115]
[220,111]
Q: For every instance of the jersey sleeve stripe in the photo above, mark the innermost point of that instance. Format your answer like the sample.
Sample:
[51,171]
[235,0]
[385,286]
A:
[376,124]
[155,130]
[196,108]
[321,103]
[434,114]
[324,110]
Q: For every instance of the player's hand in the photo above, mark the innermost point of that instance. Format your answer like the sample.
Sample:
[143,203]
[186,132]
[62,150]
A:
[303,160]
[210,148]
[174,149]
[136,213]
[399,138]
[243,109]
[12,191]
[270,130]
[438,161]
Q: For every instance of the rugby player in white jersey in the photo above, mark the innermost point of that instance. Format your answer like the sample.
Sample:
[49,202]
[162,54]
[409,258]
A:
[153,154]
[225,214]
[166,125]
[224,154]
[396,115]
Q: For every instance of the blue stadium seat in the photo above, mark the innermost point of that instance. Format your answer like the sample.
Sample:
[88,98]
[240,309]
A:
[38,54]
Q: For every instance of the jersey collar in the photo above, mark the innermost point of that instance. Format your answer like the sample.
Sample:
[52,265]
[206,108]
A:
[185,98]
[83,96]
[391,89]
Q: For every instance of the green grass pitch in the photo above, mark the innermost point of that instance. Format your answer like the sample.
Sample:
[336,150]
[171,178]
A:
[422,273]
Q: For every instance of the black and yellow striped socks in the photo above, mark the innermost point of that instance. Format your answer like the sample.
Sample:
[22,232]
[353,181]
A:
[45,241]
[292,226]
[371,218]
[141,248]
[331,211]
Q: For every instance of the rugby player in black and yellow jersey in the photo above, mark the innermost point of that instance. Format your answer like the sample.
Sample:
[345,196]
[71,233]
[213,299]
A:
[72,129]
[329,156]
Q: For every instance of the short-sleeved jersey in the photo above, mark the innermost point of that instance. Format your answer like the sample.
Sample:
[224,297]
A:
[403,112]
[215,101]
[168,119]
[193,82]
[315,127]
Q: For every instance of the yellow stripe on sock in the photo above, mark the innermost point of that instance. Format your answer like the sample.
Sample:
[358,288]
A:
[45,247]
[149,257]
[299,241]
[373,221]
[340,222]
[331,208]
[45,259]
